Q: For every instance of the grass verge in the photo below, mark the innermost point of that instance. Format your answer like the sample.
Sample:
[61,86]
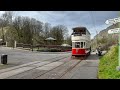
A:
[107,65]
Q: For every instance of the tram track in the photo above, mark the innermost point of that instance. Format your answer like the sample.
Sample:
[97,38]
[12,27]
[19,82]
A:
[56,60]
[63,68]
[31,63]
[69,69]
[59,71]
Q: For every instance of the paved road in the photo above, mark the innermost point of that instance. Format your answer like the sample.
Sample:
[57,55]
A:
[18,57]
[34,65]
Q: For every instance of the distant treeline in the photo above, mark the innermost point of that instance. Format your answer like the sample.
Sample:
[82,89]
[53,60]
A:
[28,30]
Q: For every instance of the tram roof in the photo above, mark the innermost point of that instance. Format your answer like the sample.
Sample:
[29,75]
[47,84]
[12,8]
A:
[81,28]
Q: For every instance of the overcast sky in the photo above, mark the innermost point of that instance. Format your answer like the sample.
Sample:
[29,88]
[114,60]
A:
[93,20]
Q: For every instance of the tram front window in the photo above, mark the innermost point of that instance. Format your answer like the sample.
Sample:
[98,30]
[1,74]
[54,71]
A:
[84,44]
[77,45]
[81,44]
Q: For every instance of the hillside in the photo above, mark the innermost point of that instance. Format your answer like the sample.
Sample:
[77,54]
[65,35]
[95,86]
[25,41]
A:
[104,39]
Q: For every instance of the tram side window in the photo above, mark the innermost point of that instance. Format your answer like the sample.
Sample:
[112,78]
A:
[77,45]
[81,44]
[73,44]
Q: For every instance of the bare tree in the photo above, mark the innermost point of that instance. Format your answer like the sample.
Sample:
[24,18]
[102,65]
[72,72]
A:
[59,32]
[6,19]
[47,28]
[17,24]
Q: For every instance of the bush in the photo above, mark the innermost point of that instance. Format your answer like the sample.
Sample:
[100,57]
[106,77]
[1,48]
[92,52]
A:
[43,50]
[54,50]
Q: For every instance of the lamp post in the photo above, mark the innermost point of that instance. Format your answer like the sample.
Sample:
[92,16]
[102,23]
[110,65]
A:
[32,44]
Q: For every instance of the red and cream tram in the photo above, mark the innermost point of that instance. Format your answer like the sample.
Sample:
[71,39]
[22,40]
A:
[81,41]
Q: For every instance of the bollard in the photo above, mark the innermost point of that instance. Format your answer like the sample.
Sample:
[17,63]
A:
[4,59]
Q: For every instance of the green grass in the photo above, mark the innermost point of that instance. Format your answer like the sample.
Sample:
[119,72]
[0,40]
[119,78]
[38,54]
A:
[107,65]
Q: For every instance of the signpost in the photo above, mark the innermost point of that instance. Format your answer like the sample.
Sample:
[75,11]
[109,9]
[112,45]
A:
[116,30]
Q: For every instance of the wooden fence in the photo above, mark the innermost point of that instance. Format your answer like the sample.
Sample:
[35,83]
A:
[61,48]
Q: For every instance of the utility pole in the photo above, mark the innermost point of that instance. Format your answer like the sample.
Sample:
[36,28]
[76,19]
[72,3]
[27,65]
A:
[32,40]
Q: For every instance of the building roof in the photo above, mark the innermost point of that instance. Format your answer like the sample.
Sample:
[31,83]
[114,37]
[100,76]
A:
[50,38]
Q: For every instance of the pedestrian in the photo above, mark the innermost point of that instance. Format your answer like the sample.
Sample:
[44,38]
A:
[99,51]
[96,50]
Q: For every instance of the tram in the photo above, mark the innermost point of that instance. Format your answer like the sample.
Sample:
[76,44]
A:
[81,42]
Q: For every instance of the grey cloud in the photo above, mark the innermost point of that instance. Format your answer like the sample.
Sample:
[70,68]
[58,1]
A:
[89,19]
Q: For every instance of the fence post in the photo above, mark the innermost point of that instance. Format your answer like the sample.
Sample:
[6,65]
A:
[6,43]
[15,44]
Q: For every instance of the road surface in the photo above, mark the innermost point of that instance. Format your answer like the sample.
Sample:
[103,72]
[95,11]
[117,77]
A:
[17,56]
[37,65]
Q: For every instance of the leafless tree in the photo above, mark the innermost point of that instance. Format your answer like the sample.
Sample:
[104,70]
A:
[6,19]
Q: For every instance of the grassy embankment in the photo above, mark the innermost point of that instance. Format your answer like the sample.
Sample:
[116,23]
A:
[107,65]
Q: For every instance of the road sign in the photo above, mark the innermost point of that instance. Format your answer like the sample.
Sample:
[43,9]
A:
[115,30]
[113,21]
